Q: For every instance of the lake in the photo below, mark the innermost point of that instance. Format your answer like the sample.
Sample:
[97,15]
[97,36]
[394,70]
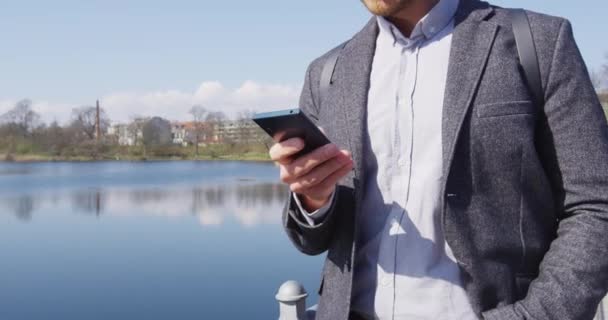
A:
[145,240]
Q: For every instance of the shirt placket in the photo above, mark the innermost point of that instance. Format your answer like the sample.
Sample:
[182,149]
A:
[401,168]
[407,87]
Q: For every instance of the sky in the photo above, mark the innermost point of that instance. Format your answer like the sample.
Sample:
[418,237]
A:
[145,58]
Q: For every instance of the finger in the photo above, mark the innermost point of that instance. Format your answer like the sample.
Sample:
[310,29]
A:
[346,154]
[320,173]
[303,165]
[325,187]
[283,150]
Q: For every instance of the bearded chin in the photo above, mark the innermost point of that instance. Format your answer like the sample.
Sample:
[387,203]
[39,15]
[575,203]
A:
[381,8]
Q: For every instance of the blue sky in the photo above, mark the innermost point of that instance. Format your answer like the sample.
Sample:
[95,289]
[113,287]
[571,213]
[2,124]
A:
[66,53]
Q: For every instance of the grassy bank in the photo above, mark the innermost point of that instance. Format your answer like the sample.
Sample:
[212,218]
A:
[223,152]
[50,158]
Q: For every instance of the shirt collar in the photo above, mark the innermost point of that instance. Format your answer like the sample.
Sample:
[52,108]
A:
[427,28]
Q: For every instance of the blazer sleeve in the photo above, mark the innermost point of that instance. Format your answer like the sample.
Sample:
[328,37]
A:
[573,145]
[311,240]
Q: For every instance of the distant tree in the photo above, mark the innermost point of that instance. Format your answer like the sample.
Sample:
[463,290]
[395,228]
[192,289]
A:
[135,131]
[597,80]
[244,122]
[214,121]
[605,67]
[599,77]
[199,115]
[246,114]
[84,121]
[216,116]
[250,132]
[55,139]
[22,118]
[156,132]
[603,84]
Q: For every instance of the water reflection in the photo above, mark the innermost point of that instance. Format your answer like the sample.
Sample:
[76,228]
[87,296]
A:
[185,239]
[88,202]
[21,206]
[248,203]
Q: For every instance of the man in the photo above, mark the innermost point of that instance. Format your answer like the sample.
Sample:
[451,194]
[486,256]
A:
[467,199]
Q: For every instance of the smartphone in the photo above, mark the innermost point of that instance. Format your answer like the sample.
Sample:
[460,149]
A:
[291,123]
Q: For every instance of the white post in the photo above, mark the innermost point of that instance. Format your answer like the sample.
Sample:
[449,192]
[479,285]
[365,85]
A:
[292,301]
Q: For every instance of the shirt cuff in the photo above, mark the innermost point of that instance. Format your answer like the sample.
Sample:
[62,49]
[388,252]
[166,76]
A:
[316,217]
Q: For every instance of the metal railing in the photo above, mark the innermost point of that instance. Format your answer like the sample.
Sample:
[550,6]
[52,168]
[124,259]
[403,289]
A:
[292,303]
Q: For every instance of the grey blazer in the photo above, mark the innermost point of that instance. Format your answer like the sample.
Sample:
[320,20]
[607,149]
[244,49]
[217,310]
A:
[525,206]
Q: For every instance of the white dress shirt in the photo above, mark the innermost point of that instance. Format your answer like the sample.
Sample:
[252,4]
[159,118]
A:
[404,268]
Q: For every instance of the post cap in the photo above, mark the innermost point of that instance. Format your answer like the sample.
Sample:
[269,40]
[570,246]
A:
[291,291]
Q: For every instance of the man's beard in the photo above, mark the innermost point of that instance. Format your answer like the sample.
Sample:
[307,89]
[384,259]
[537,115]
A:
[385,8]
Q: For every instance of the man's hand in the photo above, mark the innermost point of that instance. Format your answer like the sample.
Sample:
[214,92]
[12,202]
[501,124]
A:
[314,176]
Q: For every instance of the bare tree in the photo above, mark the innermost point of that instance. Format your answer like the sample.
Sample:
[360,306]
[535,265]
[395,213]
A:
[216,116]
[603,84]
[199,115]
[250,132]
[246,114]
[22,117]
[596,79]
[54,139]
[84,119]
[215,119]
[135,130]
[605,67]
[245,126]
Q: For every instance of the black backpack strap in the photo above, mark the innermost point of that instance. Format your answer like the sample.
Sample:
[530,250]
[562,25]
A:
[528,57]
[329,68]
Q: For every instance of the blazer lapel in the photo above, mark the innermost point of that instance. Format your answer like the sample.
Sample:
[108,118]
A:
[471,45]
[472,42]
[352,85]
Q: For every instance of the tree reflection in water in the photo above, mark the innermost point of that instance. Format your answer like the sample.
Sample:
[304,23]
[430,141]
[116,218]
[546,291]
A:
[21,206]
[88,202]
[246,203]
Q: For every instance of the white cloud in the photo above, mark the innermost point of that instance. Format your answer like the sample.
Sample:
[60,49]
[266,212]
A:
[175,104]
[49,111]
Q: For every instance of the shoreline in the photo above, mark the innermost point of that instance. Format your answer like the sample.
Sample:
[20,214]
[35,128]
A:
[50,159]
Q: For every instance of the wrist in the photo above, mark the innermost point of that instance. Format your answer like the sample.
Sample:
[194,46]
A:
[313,204]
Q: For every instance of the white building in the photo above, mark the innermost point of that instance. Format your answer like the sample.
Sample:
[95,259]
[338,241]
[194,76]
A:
[126,134]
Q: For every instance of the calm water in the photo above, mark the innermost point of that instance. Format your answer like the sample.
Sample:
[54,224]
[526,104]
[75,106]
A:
[157,240]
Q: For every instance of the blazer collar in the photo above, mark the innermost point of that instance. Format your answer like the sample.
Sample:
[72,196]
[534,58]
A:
[472,41]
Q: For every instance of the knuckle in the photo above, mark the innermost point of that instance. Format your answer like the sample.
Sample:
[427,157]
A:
[284,175]
[309,182]
[291,169]
[336,164]
[284,178]
[296,188]
[327,153]
[298,169]
[332,149]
